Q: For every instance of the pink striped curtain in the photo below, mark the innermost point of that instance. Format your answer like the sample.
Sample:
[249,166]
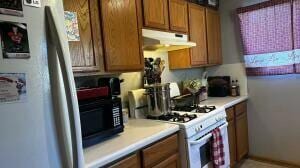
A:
[270,34]
[296,33]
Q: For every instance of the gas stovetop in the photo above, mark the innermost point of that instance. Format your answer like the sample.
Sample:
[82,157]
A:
[175,117]
[194,109]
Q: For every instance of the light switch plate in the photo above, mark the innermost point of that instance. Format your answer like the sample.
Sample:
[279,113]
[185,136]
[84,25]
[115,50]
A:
[33,3]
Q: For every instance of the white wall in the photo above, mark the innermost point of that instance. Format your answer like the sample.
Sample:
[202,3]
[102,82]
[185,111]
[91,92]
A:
[273,108]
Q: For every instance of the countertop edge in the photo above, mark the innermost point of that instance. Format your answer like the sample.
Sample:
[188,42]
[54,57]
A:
[237,101]
[132,148]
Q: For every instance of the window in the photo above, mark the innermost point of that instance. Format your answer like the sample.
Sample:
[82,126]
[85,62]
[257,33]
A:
[270,34]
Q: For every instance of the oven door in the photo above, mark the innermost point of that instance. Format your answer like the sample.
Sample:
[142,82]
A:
[200,150]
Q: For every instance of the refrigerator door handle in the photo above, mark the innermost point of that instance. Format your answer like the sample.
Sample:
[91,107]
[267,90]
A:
[70,91]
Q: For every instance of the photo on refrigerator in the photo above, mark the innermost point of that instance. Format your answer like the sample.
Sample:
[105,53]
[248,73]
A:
[11,7]
[12,87]
[14,40]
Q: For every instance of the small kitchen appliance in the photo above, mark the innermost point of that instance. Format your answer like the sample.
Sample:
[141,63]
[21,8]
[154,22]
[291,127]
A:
[112,83]
[218,86]
[138,105]
[100,115]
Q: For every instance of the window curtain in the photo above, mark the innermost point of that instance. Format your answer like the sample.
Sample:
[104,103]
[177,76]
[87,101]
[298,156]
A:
[270,33]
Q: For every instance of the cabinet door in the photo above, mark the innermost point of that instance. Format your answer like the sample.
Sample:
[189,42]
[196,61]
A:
[160,151]
[197,30]
[156,14]
[231,135]
[242,135]
[86,54]
[121,33]
[132,161]
[178,15]
[232,142]
[171,162]
[213,37]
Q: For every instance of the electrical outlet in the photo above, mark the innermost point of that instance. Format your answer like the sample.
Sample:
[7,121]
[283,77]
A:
[33,3]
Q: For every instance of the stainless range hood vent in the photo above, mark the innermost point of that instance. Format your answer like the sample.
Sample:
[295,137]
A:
[165,41]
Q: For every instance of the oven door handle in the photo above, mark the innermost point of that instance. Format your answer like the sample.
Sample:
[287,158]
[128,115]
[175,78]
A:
[209,135]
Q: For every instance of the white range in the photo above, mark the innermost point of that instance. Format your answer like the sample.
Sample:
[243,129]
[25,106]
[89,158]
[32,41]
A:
[196,137]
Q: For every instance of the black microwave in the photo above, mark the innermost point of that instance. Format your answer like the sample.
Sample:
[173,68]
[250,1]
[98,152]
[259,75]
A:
[100,118]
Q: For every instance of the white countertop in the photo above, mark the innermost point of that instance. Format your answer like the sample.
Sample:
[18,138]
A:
[225,102]
[138,133]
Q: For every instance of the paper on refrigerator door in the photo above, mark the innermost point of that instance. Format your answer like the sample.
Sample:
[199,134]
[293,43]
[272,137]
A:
[71,23]
[11,7]
[12,87]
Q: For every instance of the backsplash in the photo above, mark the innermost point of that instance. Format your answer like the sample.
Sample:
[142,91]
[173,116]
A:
[134,80]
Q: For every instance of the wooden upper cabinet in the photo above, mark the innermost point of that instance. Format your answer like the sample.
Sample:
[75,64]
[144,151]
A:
[86,53]
[197,30]
[122,35]
[178,15]
[156,14]
[213,36]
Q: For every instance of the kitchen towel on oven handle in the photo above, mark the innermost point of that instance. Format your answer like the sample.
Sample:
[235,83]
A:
[218,154]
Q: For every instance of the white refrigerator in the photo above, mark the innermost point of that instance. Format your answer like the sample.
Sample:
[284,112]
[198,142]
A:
[44,130]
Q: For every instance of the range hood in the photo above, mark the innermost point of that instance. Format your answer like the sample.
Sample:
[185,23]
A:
[165,41]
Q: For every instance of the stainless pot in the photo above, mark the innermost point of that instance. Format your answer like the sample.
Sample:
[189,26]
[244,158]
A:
[158,99]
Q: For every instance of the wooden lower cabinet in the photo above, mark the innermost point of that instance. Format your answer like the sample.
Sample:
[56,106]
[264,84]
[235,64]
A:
[231,136]
[232,142]
[132,161]
[162,154]
[171,162]
[242,136]
[237,132]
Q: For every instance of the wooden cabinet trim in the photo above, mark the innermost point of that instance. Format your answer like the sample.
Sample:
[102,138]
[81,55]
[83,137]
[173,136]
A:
[97,35]
[230,113]
[240,108]
[160,151]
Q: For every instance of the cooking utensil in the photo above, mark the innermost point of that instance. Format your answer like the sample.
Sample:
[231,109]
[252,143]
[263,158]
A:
[158,98]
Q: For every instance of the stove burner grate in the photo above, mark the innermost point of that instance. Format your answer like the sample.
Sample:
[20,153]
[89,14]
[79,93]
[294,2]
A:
[175,117]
